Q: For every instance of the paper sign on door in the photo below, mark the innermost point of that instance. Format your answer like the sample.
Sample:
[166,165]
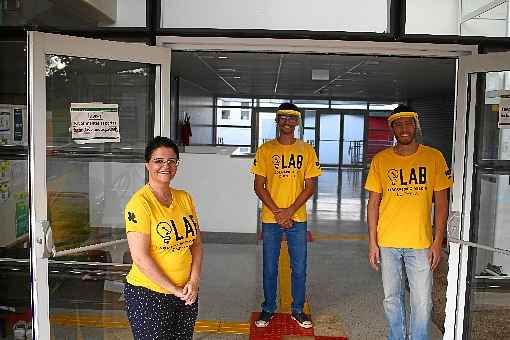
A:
[95,123]
[504,114]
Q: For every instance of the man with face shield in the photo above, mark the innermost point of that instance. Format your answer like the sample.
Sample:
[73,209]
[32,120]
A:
[286,171]
[403,182]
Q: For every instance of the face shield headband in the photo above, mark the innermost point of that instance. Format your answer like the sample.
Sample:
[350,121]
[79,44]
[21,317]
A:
[396,116]
[288,113]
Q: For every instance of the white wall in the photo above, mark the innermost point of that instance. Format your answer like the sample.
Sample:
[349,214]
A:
[222,188]
[432,17]
[319,15]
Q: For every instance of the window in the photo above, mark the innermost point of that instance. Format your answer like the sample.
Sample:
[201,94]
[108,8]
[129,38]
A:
[245,115]
[225,114]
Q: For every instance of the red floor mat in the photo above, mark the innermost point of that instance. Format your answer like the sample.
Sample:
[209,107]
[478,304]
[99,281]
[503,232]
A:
[282,325]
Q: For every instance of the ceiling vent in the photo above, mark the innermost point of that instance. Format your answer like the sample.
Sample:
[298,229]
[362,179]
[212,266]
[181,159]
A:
[318,74]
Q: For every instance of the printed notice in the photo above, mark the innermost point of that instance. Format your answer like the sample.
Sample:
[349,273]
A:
[504,113]
[95,123]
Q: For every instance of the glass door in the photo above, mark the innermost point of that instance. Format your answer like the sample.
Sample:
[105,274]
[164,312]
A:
[329,138]
[15,297]
[478,293]
[93,106]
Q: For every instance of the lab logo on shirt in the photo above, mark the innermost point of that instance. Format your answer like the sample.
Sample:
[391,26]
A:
[410,181]
[393,176]
[276,161]
[168,230]
[286,166]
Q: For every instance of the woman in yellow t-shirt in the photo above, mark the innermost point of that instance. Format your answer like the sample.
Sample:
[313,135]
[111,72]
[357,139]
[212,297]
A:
[164,240]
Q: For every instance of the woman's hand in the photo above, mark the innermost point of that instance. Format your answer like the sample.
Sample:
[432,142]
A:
[177,291]
[190,292]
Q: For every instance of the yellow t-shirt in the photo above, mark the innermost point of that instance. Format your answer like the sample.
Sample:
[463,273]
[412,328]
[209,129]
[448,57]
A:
[407,184]
[172,231]
[285,167]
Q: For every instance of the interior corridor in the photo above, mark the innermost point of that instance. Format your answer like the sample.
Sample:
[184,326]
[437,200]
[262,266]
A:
[344,294]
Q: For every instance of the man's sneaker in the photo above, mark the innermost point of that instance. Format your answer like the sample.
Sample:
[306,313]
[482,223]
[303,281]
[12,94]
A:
[264,319]
[302,319]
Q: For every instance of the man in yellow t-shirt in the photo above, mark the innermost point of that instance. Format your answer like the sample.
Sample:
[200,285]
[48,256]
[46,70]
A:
[285,178]
[403,182]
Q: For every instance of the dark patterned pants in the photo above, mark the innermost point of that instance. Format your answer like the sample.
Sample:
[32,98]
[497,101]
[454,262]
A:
[159,316]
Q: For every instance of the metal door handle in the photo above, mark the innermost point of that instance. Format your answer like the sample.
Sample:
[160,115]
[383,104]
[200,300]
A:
[47,240]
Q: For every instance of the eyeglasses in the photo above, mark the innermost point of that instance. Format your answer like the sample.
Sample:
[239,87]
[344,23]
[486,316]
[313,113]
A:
[170,162]
[402,124]
[288,118]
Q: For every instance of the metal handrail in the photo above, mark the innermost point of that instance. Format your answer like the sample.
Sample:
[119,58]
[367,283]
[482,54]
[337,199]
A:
[478,245]
[87,248]
[453,233]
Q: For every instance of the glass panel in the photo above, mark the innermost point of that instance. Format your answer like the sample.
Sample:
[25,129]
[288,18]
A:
[329,138]
[340,104]
[489,306]
[328,152]
[234,116]
[101,81]
[442,17]
[491,22]
[73,15]
[240,102]
[267,127]
[494,141]
[469,6]
[354,127]
[201,135]
[234,136]
[272,102]
[309,121]
[90,180]
[15,279]
[13,88]
[309,136]
[382,107]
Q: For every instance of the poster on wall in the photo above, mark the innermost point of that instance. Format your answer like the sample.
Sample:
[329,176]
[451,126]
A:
[18,125]
[94,123]
[5,125]
[504,114]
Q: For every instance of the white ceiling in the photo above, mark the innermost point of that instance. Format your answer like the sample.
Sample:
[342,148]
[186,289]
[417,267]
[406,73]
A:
[351,77]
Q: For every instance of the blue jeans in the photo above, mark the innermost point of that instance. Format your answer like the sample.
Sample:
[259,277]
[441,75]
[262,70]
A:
[296,242]
[419,275]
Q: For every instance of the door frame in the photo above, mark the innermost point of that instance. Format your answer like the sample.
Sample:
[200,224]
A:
[463,155]
[469,56]
[39,45]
